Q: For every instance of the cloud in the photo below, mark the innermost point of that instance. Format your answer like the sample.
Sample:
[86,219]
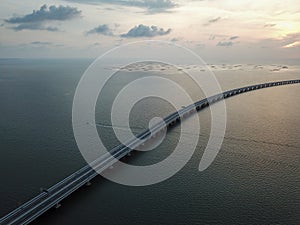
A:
[225,43]
[289,41]
[36,19]
[217,36]
[44,44]
[150,5]
[41,43]
[270,25]
[212,37]
[101,29]
[145,31]
[292,45]
[233,37]
[200,45]
[174,39]
[34,26]
[214,20]
[45,14]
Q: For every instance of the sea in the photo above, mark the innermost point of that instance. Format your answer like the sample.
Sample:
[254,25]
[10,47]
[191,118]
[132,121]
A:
[255,178]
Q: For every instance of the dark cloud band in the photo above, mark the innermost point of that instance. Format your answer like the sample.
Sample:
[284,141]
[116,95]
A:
[45,14]
[36,19]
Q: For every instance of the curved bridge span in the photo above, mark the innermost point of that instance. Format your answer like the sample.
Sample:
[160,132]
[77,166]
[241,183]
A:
[52,196]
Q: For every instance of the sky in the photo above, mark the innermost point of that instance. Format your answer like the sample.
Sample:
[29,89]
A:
[220,30]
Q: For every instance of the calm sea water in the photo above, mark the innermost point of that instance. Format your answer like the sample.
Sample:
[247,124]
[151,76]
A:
[255,178]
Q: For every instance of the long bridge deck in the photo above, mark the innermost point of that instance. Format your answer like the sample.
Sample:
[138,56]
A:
[52,196]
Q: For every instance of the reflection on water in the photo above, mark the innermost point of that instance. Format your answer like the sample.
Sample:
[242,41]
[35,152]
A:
[254,179]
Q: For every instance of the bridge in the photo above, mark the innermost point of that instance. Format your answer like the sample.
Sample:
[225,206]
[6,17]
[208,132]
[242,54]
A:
[52,196]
